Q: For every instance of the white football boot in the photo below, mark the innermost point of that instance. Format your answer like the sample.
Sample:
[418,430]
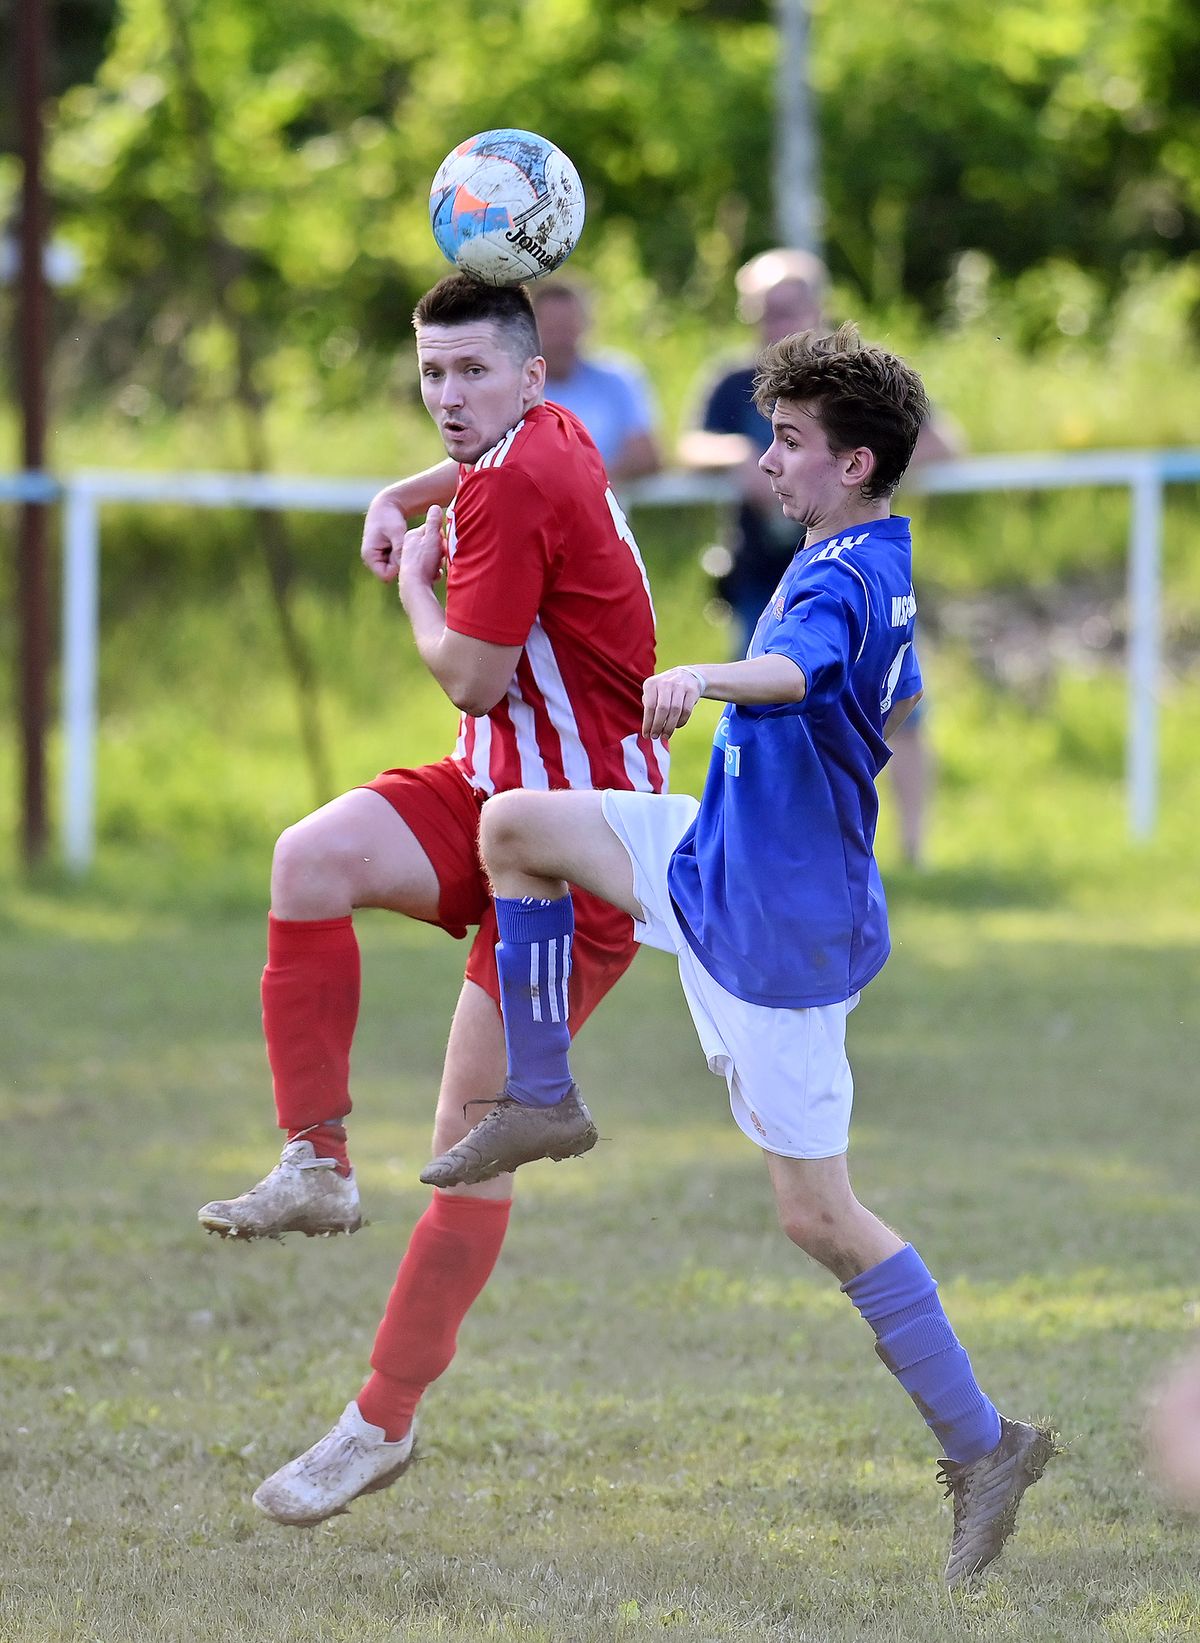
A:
[303,1193]
[354,1459]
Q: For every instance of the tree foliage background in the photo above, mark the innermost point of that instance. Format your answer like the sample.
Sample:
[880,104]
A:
[1052,144]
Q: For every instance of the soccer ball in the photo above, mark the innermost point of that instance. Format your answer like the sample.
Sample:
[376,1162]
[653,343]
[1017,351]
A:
[506,206]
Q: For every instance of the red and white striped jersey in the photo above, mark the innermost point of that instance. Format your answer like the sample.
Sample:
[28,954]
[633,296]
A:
[542,556]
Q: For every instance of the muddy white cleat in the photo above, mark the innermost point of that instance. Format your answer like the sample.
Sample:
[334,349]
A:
[354,1459]
[303,1193]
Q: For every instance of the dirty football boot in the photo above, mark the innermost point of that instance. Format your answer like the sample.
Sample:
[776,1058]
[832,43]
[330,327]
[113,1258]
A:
[303,1193]
[513,1134]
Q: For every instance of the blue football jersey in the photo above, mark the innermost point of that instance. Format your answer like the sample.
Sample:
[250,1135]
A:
[775,884]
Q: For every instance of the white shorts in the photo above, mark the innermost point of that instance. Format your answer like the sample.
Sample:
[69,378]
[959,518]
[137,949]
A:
[790,1088]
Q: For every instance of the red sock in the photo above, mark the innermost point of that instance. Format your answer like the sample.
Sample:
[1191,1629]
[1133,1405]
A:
[310,992]
[450,1257]
[328,1141]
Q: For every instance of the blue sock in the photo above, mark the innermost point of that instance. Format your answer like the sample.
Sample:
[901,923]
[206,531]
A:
[898,1298]
[533,959]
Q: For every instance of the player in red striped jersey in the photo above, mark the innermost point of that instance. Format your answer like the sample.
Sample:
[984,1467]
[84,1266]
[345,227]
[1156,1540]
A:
[546,635]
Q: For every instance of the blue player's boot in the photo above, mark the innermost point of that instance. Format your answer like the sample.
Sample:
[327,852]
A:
[987,1492]
[513,1134]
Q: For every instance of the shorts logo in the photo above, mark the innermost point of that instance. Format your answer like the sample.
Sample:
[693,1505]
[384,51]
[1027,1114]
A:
[757,1122]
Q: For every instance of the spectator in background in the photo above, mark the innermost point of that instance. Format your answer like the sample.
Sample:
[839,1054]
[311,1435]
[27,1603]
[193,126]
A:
[780,292]
[609,395]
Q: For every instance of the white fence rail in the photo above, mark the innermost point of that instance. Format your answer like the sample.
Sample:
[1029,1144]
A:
[1143,473]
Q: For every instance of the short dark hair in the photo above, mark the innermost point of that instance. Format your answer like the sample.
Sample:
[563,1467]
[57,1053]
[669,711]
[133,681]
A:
[460,300]
[859,394]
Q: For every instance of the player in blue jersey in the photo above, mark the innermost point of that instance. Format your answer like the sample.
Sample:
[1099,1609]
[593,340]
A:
[768,893]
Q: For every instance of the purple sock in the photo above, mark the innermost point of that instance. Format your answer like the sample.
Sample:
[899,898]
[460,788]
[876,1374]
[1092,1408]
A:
[533,960]
[898,1298]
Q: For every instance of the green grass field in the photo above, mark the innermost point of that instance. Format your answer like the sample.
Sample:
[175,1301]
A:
[663,1421]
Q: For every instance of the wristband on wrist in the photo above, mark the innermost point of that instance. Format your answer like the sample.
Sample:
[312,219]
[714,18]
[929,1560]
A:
[697,676]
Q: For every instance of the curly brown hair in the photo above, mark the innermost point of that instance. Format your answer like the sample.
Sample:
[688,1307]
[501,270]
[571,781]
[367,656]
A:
[460,300]
[860,395]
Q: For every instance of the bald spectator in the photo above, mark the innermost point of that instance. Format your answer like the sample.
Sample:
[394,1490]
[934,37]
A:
[608,394]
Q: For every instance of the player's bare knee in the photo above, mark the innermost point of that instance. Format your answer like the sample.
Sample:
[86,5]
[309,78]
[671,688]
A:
[310,858]
[451,1123]
[796,1225]
[292,857]
[812,1227]
[502,831]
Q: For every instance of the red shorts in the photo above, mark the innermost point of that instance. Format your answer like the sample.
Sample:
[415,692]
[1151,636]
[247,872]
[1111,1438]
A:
[442,809]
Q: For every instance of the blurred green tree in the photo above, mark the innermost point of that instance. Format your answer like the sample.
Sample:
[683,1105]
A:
[1066,132]
[328,123]
[1026,130]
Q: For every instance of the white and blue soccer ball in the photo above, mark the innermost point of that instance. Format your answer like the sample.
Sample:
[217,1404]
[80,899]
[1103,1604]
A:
[506,206]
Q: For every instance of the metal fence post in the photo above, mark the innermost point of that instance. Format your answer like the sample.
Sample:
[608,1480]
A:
[80,651]
[1145,649]
[1144,472]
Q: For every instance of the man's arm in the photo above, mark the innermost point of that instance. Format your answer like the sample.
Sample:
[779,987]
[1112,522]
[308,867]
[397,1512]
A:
[386,524]
[473,673]
[669,698]
[638,453]
[738,456]
[900,712]
[638,457]
[702,448]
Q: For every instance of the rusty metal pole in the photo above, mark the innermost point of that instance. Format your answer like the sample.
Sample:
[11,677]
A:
[33,649]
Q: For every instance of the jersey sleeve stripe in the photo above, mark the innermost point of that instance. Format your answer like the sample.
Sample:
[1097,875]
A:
[866,590]
[494,457]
